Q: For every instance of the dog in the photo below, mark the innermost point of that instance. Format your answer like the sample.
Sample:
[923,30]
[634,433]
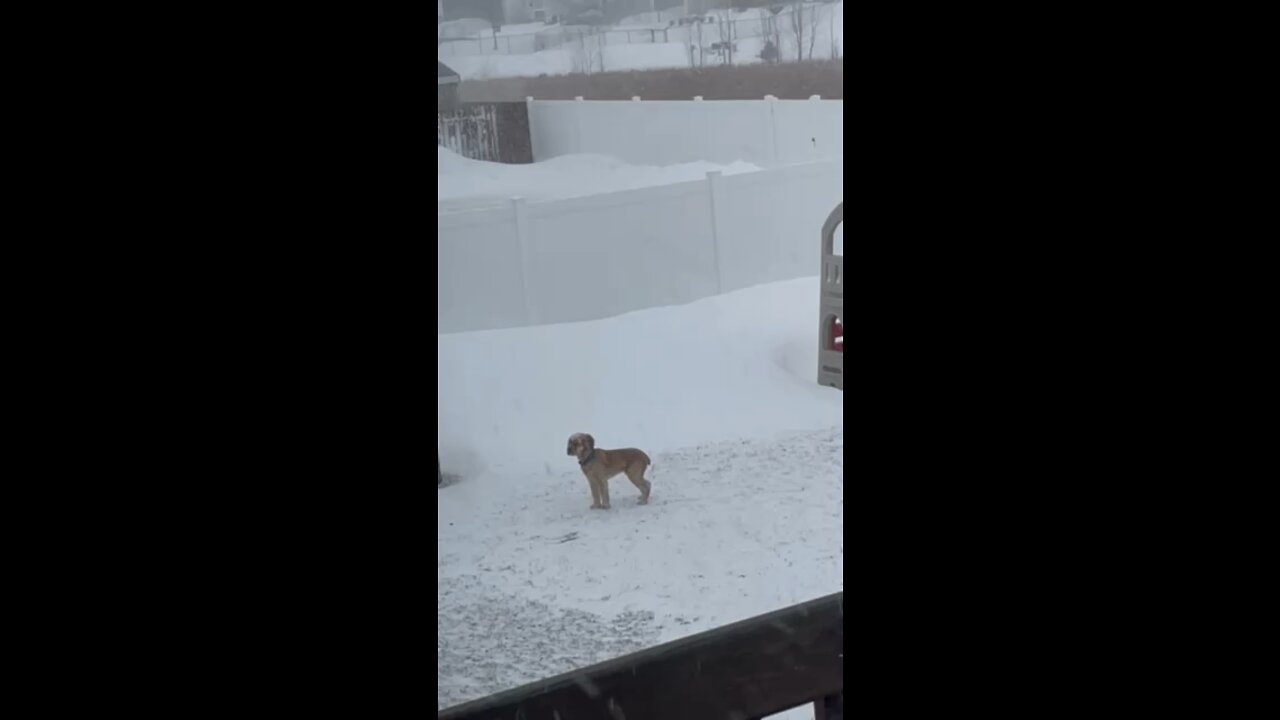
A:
[600,465]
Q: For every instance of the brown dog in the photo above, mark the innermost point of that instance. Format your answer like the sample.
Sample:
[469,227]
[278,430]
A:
[600,465]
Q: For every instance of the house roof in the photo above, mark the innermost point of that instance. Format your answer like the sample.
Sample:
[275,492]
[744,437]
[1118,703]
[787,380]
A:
[445,75]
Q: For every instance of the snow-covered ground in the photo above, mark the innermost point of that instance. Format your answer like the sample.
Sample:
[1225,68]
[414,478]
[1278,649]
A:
[747,512]
[564,61]
[464,28]
[465,184]
[826,29]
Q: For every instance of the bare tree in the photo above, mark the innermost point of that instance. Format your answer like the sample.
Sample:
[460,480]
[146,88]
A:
[724,48]
[696,48]
[805,21]
[578,61]
[586,51]
[815,14]
[492,12]
[595,51]
[769,34]
[798,27]
[835,44]
[773,35]
[733,42]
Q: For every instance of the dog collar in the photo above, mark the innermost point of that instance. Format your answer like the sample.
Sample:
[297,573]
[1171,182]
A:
[587,459]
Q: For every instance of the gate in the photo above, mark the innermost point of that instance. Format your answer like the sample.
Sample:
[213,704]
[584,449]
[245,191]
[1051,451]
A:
[495,132]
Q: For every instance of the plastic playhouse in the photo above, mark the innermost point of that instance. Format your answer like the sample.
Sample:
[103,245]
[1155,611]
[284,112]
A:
[831,306]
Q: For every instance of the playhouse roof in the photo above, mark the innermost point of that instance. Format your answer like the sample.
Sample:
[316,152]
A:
[445,75]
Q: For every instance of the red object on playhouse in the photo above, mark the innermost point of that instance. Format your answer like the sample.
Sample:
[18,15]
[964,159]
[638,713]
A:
[831,305]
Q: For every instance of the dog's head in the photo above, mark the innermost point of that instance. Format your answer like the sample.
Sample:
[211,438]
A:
[580,444]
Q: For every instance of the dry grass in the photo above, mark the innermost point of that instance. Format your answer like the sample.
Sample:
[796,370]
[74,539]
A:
[747,82]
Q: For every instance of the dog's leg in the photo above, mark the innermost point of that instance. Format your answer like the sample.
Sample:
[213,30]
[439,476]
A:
[636,476]
[595,493]
[604,493]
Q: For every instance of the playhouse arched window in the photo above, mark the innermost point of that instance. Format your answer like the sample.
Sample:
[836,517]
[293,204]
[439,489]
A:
[831,302]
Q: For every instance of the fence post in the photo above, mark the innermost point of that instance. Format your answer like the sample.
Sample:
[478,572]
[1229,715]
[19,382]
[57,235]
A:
[519,211]
[578,109]
[706,133]
[815,110]
[771,103]
[714,192]
[534,154]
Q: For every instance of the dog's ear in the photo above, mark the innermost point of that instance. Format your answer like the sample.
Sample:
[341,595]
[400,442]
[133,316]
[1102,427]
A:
[590,441]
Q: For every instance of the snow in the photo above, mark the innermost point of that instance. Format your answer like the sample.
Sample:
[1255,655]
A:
[480,29]
[468,27]
[561,61]
[622,56]
[645,56]
[465,184]
[747,511]
[482,67]
[520,29]
[661,19]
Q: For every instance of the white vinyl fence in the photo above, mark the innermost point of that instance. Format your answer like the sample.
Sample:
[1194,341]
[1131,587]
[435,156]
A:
[534,263]
[769,132]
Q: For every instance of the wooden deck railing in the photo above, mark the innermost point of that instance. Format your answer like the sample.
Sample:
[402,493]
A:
[742,671]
